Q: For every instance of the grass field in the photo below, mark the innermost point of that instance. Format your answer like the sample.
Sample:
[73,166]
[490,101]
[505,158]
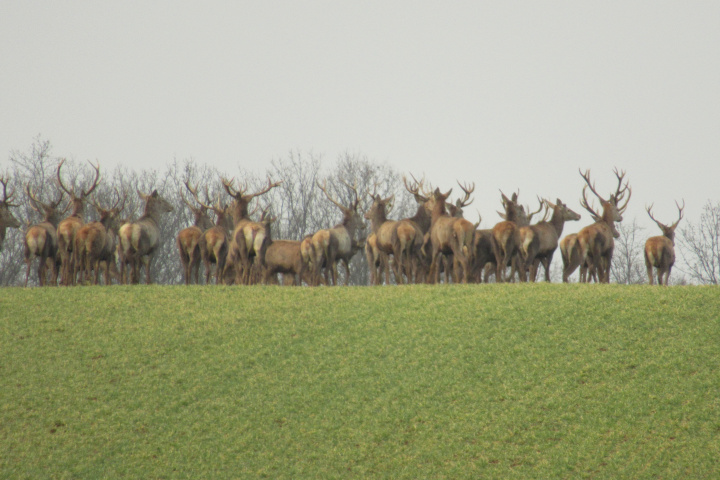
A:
[480,381]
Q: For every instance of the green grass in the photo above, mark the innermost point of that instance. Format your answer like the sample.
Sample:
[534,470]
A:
[482,381]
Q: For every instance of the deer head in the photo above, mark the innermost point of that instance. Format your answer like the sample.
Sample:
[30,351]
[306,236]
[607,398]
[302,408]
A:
[242,200]
[6,217]
[351,216]
[612,211]
[456,210]
[49,211]
[668,230]
[561,211]
[78,199]
[200,215]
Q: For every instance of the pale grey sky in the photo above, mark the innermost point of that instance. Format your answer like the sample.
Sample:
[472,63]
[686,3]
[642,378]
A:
[508,94]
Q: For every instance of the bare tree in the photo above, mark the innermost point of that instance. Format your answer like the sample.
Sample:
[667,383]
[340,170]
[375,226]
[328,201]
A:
[700,245]
[628,261]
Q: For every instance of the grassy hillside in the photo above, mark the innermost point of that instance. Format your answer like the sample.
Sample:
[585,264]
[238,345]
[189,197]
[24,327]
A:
[480,381]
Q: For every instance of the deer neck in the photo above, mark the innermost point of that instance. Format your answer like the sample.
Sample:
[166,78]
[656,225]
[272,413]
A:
[152,212]
[377,220]
[557,221]
[438,211]
[78,208]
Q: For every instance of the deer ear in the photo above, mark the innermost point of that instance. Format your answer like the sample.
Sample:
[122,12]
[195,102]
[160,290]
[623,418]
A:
[514,197]
[155,194]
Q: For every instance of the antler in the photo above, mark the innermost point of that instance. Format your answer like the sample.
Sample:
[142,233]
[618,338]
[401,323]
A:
[269,187]
[531,215]
[95,181]
[228,186]
[680,213]
[193,192]
[70,192]
[620,191]
[414,189]
[586,177]
[584,203]
[6,198]
[323,187]
[468,190]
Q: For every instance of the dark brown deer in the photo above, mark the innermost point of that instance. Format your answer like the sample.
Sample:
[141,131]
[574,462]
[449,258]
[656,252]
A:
[67,228]
[383,229]
[140,240]
[336,244]
[248,237]
[484,264]
[597,240]
[660,250]
[41,239]
[188,239]
[506,240]
[538,242]
[450,235]
[7,220]
[96,245]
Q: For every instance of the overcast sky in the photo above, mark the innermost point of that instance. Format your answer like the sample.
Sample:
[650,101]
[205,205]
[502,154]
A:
[509,95]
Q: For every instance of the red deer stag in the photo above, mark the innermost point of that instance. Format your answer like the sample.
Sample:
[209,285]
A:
[215,242]
[383,229]
[450,235]
[596,240]
[484,264]
[284,256]
[505,239]
[377,260]
[7,220]
[41,239]
[96,245]
[140,240]
[408,236]
[248,237]
[660,250]
[336,244]
[538,242]
[188,239]
[67,228]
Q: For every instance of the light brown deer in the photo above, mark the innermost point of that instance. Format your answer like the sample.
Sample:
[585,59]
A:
[140,240]
[660,250]
[248,237]
[450,235]
[41,239]
[336,244]
[538,242]
[96,245]
[188,239]
[597,240]
[408,237]
[284,256]
[377,260]
[383,229]
[215,242]
[7,220]
[505,238]
[67,228]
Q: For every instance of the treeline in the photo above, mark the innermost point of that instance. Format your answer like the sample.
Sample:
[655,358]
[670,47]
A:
[298,204]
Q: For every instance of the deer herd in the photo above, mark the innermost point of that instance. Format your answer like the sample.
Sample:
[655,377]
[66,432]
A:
[434,243]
